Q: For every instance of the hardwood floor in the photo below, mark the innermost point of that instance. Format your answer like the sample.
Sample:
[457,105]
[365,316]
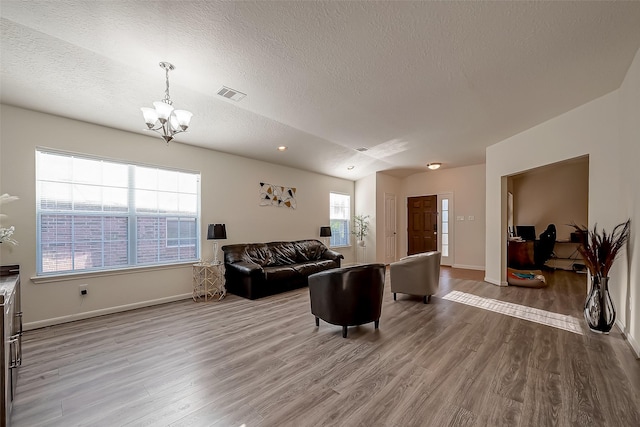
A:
[265,363]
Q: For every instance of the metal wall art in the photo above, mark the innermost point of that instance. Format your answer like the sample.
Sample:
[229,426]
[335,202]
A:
[276,195]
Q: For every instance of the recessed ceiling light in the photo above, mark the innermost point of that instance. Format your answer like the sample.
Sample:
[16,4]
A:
[434,166]
[282,148]
[350,167]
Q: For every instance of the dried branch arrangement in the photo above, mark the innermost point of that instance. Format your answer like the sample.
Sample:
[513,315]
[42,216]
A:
[600,249]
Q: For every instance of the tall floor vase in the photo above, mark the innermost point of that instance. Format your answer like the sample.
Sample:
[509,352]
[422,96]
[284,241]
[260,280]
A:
[599,311]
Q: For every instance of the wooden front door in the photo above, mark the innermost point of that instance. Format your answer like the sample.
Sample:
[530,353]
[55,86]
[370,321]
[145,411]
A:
[422,224]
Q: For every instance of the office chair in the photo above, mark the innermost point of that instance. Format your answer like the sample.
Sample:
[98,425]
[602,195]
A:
[543,248]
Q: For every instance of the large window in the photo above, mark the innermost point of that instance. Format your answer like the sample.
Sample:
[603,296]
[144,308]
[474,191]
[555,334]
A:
[95,214]
[339,216]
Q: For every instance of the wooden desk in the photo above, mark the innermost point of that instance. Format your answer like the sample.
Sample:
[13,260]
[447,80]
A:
[520,254]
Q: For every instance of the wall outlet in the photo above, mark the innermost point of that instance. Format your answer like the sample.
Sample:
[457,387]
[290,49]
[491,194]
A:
[471,218]
[83,290]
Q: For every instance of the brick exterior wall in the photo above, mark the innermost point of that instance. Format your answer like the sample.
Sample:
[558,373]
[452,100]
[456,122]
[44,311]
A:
[80,242]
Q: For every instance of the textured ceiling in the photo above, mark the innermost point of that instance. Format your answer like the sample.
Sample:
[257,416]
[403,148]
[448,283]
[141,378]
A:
[416,82]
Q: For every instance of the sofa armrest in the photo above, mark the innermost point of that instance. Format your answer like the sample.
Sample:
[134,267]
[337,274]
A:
[332,255]
[245,268]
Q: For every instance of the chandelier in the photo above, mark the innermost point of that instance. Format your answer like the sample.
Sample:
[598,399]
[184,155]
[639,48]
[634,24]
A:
[162,118]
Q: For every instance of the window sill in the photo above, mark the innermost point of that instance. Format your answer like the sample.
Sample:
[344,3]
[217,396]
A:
[52,278]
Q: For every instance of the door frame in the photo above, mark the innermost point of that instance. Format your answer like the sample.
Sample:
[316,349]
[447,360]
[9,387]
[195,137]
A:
[389,258]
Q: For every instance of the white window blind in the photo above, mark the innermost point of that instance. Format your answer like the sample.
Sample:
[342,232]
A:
[339,217]
[95,214]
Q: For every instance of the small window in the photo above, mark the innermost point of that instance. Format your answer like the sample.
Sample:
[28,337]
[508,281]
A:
[339,216]
[445,227]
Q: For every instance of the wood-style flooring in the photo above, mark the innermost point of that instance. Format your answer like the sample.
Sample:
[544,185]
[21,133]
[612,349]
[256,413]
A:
[265,363]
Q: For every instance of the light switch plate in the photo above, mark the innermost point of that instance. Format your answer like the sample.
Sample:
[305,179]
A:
[460,217]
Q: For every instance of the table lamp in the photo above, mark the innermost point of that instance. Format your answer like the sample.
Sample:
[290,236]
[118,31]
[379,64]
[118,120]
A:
[215,232]
[325,232]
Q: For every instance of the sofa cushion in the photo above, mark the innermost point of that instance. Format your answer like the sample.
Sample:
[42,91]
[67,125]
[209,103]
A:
[309,250]
[306,268]
[283,253]
[259,254]
[324,264]
[276,273]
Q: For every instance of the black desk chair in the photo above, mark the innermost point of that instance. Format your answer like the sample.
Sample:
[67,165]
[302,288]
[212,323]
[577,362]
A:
[543,248]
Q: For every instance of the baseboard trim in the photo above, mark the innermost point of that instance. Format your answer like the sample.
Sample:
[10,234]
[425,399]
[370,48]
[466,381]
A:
[495,282]
[469,267]
[635,347]
[95,313]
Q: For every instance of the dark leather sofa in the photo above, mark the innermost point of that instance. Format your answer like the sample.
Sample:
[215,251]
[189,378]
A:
[255,270]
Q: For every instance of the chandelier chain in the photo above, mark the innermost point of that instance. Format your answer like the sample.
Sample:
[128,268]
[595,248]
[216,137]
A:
[167,98]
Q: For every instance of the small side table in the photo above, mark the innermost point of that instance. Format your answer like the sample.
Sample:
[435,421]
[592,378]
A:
[208,281]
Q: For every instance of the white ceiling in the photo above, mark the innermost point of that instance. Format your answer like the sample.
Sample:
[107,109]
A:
[416,82]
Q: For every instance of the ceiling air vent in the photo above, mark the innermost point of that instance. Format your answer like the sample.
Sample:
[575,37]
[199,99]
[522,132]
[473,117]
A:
[362,149]
[231,94]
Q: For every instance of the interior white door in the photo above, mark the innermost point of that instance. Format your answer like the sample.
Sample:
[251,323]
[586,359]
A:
[390,232]
[445,228]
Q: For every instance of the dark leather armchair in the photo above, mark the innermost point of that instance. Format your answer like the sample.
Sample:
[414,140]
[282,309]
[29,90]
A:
[348,296]
[543,248]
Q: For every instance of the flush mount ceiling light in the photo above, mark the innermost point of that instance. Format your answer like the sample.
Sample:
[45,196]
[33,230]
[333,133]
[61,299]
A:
[163,118]
[282,148]
[434,166]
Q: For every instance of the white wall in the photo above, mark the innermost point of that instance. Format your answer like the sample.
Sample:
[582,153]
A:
[607,130]
[630,155]
[229,195]
[365,204]
[468,187]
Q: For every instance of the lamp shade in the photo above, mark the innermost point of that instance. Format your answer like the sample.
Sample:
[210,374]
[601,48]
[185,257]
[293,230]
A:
[325,231]
[163,109]
[216,231]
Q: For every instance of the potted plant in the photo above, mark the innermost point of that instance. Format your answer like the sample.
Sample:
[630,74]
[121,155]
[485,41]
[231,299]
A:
[599,251]
[360,228]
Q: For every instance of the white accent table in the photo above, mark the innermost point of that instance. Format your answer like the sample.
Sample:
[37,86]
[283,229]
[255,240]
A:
[208,281]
